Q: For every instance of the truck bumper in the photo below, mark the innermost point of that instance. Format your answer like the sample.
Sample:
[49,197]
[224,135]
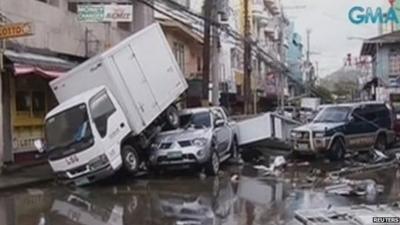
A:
[91,177]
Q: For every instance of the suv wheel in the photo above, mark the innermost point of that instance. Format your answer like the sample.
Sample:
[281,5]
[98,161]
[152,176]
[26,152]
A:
[337,150]
[130,159]
[234,149]
[380,143]
[212,166]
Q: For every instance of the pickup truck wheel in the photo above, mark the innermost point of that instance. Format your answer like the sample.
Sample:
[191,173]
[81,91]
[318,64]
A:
[337,150]
[212,166]
[380,143]
[130,159]
[172,117]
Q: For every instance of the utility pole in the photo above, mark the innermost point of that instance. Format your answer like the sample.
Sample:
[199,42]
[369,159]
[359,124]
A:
[215,52]
[282,57]
[2,49]
[308,65]
[86,42]
[247,60]
[206,49]
[308,45]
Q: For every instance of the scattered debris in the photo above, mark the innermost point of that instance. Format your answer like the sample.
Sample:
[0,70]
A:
[235,178]
[357,214]
[365,163]
[278,163]
[202,175]
[267,171]
[326,161]
[355,188]
[299,164]
[398,156]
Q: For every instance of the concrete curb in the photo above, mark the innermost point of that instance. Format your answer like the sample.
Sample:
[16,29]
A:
[10,169]
[24,182]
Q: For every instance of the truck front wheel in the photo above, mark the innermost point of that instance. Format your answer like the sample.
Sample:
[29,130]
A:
[130,159]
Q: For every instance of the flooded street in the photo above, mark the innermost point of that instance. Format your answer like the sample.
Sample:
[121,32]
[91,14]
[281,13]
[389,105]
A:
[251,199]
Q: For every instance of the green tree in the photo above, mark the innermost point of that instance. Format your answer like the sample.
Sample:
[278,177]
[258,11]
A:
[324,93]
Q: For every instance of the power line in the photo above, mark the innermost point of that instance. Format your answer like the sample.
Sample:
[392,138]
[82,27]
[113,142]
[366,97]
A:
[266,57]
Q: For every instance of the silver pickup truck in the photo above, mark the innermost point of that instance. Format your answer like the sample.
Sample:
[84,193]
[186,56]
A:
[205,138]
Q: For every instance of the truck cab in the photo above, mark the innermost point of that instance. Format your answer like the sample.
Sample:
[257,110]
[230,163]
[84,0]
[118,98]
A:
[83,136]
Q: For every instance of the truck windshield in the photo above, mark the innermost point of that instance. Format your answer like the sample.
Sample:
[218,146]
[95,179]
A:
[196,120]
[68,129]
[333,115]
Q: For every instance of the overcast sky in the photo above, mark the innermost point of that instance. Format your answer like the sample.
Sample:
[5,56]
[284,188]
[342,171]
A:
[328,20]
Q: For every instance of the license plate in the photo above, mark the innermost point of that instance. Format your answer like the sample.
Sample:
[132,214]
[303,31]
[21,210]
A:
[174,155]
[303,146]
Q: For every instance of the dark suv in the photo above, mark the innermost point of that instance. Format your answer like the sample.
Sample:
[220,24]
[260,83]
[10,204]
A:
[345,127]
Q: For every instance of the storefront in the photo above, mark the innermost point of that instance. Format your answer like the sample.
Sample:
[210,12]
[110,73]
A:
[26,100]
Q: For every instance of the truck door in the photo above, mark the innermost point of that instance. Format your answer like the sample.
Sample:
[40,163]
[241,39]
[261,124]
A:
[136,83]
[110,123]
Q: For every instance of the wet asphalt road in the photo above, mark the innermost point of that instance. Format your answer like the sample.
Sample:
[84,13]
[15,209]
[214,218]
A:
[183,199]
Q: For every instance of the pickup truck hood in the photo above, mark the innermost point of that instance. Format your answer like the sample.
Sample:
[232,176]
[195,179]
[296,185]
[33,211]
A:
[183,134]
[319,126]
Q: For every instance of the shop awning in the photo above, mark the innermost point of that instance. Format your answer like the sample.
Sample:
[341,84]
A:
[26,63]
[20,70]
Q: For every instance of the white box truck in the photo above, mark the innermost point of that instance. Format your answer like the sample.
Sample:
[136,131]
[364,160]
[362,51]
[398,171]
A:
[110,108]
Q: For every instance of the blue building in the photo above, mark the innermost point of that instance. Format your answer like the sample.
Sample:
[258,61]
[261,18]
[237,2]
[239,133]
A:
[384,51]
[294,58]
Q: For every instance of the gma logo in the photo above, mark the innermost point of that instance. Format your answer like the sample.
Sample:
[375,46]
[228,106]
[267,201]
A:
[362,15]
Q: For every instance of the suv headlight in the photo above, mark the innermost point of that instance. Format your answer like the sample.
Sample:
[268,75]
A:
[155,145]
[319,134]
[199,142]
[295,134]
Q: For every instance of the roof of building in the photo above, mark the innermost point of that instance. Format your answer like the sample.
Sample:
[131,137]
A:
[42,61]
[369,45]
[182,28]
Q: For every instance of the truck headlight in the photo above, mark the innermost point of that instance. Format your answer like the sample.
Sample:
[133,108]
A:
[199,142]
[319,134]
[98,162]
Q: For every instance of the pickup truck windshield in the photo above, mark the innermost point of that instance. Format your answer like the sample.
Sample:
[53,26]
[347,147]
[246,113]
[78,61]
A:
[333,115]
[68,129]
[196,120]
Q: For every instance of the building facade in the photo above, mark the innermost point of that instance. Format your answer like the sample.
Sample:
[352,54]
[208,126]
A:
[385,57]
[59,42]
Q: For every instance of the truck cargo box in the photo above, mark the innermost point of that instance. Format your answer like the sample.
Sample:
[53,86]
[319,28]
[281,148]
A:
[141,72]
